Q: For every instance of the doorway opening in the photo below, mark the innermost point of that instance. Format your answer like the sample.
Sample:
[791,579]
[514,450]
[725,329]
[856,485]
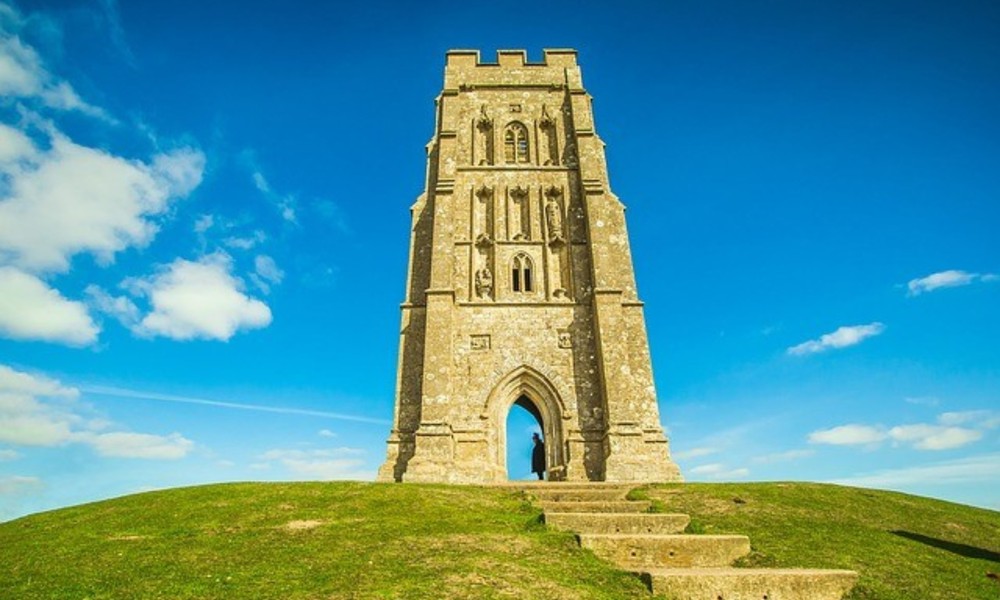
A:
[523,420]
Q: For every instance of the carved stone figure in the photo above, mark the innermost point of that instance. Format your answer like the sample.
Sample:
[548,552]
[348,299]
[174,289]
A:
[484,283]
[553,216]
[484,138]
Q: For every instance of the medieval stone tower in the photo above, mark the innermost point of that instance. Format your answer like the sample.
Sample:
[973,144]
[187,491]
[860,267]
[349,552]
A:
[521,289]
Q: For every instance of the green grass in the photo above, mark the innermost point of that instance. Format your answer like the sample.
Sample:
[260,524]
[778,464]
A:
[302,540]
[903,547]
[354,540]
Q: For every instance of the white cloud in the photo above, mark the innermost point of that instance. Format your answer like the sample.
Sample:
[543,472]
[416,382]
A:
[983,469]
[7,455]
[14,146]
[848,435]
[73,199]
[718,471]
[121,308]
[945,435]
[198,299]
[841,338]
[327,433]
[944,279]
[31,310]
[985,419]
[246,242]
[934,437]
[18,484]
[139,445]
[204,223]
[267,273]
[694,453]
[38,411]
[260,182]
[22,75]
[35,410]
[326,464]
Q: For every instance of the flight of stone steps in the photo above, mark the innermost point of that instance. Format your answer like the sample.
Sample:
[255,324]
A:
[674,565]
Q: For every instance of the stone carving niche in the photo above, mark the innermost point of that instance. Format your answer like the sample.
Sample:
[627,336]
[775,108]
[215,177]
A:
[555,230]
[520,214]
[483,219]
[548,139]
[483,133]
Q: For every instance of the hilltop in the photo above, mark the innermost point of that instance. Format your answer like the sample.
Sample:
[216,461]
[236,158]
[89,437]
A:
[358,540]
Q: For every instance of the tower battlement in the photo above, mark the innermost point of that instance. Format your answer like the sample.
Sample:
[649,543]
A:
[551,57]
[465,68]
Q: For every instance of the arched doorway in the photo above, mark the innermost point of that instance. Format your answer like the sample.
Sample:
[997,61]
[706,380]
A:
[527,389]
[523,421]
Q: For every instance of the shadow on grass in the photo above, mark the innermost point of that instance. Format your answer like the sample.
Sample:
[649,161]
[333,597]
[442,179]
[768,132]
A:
[955,548]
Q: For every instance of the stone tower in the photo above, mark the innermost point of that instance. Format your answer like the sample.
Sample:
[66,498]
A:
[521,289]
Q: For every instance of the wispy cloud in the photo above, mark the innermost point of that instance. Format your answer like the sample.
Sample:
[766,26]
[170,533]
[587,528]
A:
[38,411]
[718,471]
[983,469]
[326,464]
[694,453]
[946,434]
[841,338]
[284,410]
[945,279]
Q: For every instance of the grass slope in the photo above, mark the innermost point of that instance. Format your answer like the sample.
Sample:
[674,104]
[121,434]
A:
[903,547]
[354,540]
[302,540]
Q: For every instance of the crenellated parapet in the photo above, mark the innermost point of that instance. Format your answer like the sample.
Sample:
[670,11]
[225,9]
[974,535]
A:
[464,69]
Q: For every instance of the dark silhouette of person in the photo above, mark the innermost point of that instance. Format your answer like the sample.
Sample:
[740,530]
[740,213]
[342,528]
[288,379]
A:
[538,456]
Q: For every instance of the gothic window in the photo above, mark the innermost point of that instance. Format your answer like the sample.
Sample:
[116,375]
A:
[521,274]
[515,143]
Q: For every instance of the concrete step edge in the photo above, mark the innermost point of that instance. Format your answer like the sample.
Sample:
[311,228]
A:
[737,571]
[662,536]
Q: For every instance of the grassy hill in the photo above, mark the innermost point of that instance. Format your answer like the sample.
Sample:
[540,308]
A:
[355,540]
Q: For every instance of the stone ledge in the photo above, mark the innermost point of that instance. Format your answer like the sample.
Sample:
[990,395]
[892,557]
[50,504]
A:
[643,552]
[610,523]
[740,584]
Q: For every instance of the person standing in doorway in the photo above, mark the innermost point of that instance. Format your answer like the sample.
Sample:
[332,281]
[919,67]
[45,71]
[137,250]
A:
[538,456]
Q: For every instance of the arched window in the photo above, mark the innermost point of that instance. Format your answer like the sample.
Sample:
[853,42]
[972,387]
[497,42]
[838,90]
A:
[521,274]
[515,143]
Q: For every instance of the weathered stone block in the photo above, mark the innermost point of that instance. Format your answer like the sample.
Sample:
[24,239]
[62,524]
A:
[750,584]
[611,523]
[644,552]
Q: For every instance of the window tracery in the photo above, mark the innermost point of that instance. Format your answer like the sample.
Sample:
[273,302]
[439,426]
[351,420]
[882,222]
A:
[521,280]
[515,143]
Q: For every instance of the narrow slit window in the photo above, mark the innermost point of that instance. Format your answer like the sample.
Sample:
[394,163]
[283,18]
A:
[521,274]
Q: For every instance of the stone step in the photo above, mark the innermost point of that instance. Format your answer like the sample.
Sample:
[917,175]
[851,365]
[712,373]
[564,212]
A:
[750,584]
[644,552]
[531,487]
[591,506]
[618,522]
[577,495]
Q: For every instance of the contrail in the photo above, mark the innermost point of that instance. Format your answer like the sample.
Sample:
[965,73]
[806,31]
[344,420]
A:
[123,393]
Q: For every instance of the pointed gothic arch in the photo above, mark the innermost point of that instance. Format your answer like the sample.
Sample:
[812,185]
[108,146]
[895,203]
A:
[531,390]
[515,143]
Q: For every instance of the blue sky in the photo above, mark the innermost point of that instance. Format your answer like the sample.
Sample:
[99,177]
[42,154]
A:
[204,227]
